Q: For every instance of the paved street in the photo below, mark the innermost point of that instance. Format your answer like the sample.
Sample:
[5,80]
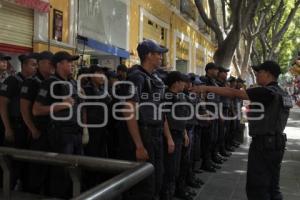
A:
[229,182]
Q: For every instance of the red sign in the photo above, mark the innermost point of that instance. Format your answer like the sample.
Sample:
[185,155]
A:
[35,4]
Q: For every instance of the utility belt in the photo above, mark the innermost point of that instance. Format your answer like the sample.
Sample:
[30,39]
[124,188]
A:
[270,142]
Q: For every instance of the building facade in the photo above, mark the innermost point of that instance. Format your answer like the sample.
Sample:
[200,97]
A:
[107,32]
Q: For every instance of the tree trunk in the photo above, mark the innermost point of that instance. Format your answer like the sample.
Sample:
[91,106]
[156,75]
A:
[224,53]
[246,59]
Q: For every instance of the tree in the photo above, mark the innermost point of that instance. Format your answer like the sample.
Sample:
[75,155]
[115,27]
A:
[269,40]
[237,14]
[241,59]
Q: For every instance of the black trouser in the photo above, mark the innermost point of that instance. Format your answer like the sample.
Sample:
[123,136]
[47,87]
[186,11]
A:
[214,137]
[2,131]
[197,150]
[187,155]
[20,142]
[97,147]
[264,162]
[221,138]
[172,163]
[149,188]
[65,140]
[38,173]
[206,144]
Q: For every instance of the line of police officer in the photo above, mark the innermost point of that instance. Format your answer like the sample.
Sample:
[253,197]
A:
[39,112]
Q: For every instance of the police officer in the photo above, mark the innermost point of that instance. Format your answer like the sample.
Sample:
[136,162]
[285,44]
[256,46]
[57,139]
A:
[96,116]
[15,129]
[233,115]
[37,126]
[266,129]
[211,156]
[63,131]
[147,131]
[221,81]
[3,75]
[175,134]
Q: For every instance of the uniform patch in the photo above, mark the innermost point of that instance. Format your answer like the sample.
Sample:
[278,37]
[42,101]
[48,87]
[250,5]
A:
[43,93]
[24,89]
[3,87]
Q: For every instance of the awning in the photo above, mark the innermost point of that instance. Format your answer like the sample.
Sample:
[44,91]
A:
[39,5]
[99,46]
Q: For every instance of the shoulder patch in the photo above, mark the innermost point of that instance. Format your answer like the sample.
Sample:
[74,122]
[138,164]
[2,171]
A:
[43,93]
[24,89]
[3,87]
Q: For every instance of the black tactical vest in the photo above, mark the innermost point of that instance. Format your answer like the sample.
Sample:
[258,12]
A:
[275,115]
[194,99]
[64,89]
[14,104]
[96,114]
[180,111]
[151,97]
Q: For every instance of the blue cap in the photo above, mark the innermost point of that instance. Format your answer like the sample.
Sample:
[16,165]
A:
[148,46]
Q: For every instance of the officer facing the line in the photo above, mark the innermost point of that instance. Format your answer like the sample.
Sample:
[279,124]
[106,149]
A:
[268,140]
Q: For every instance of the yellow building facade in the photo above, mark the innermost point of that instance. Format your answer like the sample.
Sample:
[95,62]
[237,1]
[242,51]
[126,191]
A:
[59,11]
[189,49]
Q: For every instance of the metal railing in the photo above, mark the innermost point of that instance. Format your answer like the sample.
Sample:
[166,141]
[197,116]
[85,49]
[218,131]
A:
[129,173]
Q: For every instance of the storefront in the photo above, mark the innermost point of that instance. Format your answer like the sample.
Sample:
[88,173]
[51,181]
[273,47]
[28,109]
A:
[17,26]
[103,31]
[151,27]
[183,52]
[200,59]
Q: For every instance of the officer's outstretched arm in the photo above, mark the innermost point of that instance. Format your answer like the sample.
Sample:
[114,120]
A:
[223,91]
[133,128]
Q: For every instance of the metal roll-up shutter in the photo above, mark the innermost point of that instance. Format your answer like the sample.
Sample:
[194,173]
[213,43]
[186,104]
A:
[16,24]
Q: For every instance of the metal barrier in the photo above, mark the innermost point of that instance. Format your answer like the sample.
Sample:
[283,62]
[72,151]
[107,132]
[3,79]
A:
[130,172]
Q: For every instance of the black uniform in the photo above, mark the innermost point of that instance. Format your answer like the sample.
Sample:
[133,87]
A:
[151,130]
[96,115]
[213,98]
[11,89]
[177,128]
[37,173]
[268,142]
[64,135]
[223,123]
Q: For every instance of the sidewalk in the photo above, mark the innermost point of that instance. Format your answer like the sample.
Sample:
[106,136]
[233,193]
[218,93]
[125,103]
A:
[230,181]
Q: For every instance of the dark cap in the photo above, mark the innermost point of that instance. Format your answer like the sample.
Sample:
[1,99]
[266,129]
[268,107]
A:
[148,46]
[223,69]
[4,57]
[231,79]
[175,76]
[122,68]
[28,56]
[63,55]
[270,66]
[97,68]
[240,80]
[211,65]
[45,55]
